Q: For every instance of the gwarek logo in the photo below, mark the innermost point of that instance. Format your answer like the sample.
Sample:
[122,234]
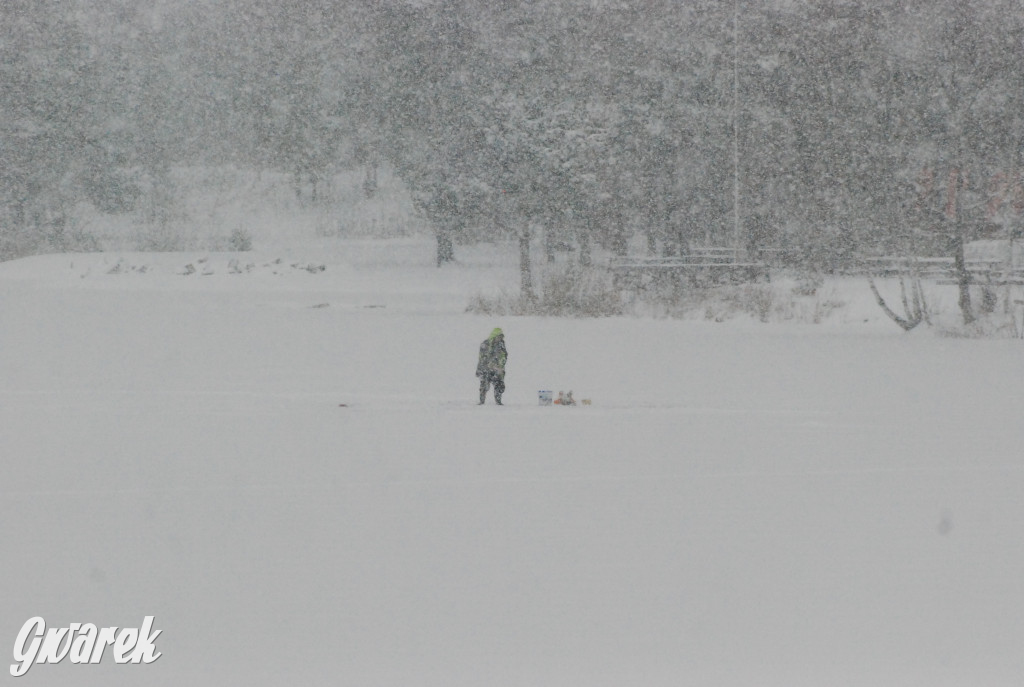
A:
[82,643]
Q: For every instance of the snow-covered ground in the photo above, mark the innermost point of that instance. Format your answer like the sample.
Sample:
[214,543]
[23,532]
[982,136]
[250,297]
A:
[743,504]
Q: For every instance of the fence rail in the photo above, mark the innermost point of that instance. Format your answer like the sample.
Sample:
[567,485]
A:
[699,266]
[943,270]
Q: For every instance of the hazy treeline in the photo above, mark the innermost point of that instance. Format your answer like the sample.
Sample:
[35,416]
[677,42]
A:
[861,126]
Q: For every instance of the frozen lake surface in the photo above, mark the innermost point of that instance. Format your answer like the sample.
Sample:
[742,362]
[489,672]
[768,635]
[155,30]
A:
[743,504]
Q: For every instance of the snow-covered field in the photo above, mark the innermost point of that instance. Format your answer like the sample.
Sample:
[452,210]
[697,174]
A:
[743,504]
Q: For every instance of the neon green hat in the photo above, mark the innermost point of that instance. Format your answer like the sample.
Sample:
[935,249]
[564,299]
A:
[496,332]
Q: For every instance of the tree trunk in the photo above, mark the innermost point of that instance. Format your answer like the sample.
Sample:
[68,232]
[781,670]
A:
[583,239]
[445,247]
[525,272]
[370,180]
[915,314]
[963,277]
[20,216]
[549,244]
[618,235]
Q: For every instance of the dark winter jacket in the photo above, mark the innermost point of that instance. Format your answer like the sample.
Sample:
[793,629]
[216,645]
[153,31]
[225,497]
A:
[492,356]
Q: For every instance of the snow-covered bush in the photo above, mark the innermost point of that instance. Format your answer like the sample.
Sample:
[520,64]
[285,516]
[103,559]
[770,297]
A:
[728,302]
[581,292]
[1001,316]
[808,283]
[773,302]
[240,240]
[161,238]
[566,291]
[61,240]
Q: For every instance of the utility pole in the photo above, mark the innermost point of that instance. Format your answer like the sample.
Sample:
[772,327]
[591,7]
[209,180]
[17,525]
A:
[735,125]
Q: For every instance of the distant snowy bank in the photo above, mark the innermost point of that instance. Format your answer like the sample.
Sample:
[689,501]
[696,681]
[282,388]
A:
[485,281]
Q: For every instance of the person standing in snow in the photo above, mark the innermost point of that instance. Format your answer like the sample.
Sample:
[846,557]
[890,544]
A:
[490,367]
